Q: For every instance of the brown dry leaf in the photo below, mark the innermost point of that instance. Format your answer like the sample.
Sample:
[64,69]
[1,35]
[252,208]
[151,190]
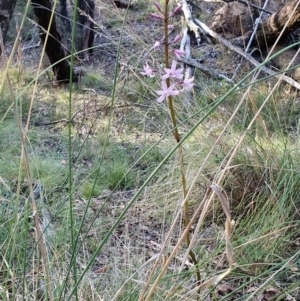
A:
[223,289]
[251,289]
[260,298]
[293,268]
[268,294]
[101,270]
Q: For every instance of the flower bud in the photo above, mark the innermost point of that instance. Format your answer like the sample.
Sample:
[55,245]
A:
[178,53]
[157,5]
[177,10]
[177,39]
[156,16]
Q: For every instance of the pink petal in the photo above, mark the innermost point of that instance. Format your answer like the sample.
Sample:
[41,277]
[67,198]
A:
[156,45]
[171,90]
[178,52]
[175,92]
[164,85]
[161,99]
[176,39]
[173,67]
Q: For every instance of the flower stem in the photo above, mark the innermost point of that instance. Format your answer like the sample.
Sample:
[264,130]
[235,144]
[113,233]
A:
[177,138]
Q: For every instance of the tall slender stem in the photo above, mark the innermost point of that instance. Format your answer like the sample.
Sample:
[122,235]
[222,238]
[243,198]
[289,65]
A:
[177,137]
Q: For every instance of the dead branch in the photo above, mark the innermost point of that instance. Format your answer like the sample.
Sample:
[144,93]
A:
[210,72]
[192,26]
[185,45]
[245,55]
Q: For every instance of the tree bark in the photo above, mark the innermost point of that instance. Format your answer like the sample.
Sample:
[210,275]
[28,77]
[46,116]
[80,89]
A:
[85,28]
[65,15]
[271,27]
[6,10]
[54,48]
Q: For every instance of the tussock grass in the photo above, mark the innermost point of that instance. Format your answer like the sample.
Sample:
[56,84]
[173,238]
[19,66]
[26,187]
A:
[123,159]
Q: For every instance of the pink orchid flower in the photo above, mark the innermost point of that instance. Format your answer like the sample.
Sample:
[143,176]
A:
[176,39]
[187,83]
[173,72]
[165,92]
[179,53]
[156,45]
[148,71]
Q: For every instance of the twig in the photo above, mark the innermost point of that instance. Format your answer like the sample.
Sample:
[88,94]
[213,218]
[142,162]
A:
[257,21]
[32,46]
[206,70]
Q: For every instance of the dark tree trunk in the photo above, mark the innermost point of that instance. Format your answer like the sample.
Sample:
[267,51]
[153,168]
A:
[6,10]
[85,27]
[65,15]
[54,47]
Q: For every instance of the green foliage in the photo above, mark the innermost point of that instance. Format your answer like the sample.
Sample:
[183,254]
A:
[88,190]
[95,81]
[117,178]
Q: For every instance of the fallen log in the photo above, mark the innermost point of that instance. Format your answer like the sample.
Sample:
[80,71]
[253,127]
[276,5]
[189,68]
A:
[247,56]
[287,19]
[280,23]
[206,70]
